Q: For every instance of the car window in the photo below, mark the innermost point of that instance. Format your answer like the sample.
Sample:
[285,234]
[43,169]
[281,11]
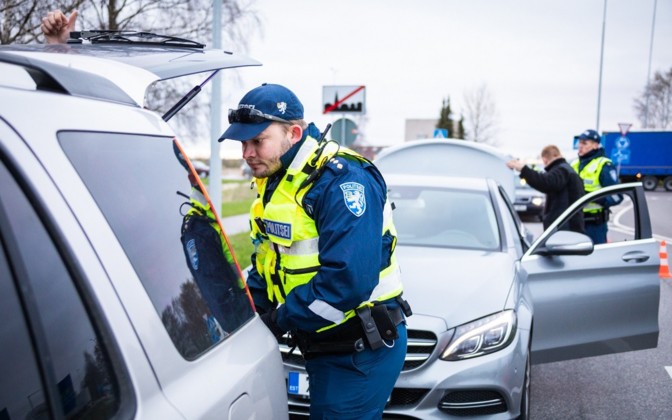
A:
[53,364]
[135,180]
[622,221]
[444,218]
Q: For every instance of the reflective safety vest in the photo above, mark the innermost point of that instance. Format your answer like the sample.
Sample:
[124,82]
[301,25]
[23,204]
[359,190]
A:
[286,238]
[590,174]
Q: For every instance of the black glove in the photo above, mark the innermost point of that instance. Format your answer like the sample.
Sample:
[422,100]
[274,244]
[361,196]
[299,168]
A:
[269,319]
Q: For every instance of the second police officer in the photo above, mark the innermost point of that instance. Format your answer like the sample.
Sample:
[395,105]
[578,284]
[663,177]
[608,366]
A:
[597,171]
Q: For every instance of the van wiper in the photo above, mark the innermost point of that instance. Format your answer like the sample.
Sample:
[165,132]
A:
[131,37]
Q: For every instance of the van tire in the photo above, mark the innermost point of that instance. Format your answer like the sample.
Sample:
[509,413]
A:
[667,183]
[649,183]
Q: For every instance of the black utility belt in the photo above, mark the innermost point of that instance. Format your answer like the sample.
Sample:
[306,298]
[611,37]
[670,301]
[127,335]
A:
[369,329]
[596,218]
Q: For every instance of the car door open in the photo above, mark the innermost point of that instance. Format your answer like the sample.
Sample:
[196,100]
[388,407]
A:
[588,303]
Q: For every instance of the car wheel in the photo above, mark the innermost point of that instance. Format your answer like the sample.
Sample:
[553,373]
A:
[525,397]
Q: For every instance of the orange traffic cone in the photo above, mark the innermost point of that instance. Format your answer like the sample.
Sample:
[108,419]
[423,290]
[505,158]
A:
[664,271]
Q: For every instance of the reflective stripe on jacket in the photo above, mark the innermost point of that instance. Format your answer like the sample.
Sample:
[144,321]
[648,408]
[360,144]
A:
[286,238]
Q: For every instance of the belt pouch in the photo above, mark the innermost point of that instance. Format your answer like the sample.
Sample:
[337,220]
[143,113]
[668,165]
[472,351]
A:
[371,334]
[386,327]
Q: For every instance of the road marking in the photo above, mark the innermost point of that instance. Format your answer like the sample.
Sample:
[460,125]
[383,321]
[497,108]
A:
[620,227]
[669,370]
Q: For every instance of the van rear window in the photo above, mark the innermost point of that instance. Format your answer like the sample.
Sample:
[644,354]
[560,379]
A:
[135,179]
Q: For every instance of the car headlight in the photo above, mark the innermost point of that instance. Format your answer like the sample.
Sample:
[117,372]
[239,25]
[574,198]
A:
[483,336]
[537,201]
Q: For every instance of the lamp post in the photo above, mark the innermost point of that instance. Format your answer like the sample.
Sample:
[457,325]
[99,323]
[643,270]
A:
[215,187]
[599,87]
[648,73]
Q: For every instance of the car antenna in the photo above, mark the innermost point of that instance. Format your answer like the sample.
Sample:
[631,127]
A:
[187,98]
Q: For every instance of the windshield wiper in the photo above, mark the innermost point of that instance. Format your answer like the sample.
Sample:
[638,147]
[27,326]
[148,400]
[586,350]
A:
[131,37]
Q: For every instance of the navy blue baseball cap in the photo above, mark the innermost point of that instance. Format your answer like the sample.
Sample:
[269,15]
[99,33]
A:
[259,108]
[589,135]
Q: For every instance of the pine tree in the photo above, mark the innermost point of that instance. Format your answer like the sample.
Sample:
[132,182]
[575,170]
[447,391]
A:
[446,121]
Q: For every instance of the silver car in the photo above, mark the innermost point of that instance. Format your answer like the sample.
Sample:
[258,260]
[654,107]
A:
[103,311]
[488,301]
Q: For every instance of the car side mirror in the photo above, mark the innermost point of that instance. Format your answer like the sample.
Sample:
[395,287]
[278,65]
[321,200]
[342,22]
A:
[565,242]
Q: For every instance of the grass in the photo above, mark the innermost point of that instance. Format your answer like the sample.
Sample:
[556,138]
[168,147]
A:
[235,208]
[242,248]
[237,197]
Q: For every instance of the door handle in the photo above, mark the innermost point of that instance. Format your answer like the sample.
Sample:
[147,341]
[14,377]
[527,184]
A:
[636,257]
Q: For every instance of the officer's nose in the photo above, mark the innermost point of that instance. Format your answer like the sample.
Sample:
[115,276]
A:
[248,150]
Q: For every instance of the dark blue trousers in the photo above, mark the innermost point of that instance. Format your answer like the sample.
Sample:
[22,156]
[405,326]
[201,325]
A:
[355,385]
[597,232]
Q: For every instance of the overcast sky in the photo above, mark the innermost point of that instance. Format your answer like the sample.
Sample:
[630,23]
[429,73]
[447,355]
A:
[539,59]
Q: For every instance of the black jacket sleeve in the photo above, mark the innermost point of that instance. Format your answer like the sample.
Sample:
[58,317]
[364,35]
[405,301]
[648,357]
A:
[544,181]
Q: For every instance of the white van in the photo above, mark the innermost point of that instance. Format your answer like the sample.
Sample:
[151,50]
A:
[102,316]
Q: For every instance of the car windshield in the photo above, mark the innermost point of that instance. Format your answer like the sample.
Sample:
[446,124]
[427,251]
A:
[439,217]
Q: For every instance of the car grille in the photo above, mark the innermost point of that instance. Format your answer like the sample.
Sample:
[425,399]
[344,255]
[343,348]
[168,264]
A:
[421,344]
[406,396]
[472,403]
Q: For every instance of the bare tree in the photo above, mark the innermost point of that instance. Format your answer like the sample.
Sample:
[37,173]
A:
[20,19]
[654,106]
[481,116]
[20,23]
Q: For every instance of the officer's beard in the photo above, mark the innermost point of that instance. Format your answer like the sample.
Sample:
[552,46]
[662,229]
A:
[275,164]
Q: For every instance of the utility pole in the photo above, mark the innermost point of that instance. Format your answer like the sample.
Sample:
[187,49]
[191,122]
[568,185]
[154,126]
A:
[648,73]
[215,187]
[599,88]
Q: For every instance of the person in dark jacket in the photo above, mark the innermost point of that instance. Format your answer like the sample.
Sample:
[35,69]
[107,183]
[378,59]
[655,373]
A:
[561,184]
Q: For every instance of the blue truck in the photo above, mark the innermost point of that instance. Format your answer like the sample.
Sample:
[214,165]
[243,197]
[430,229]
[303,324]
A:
[644,156]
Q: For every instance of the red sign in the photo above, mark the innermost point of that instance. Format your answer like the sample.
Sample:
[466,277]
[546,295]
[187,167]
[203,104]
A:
[350,99]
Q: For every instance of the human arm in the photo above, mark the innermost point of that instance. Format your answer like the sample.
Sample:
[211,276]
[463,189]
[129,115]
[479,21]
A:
[56,27]
[554,179]
[609,176]
[515,164]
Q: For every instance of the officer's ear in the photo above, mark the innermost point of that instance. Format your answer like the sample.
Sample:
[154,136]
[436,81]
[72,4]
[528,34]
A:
[296,133]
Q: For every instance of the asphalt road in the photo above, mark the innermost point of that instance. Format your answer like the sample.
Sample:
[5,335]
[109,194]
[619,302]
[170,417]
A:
[634,385]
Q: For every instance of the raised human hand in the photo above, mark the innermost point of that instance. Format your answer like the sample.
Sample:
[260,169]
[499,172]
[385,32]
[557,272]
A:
[56,27]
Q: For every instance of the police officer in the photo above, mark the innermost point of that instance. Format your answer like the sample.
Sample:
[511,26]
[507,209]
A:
[596,171]
[324,266]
